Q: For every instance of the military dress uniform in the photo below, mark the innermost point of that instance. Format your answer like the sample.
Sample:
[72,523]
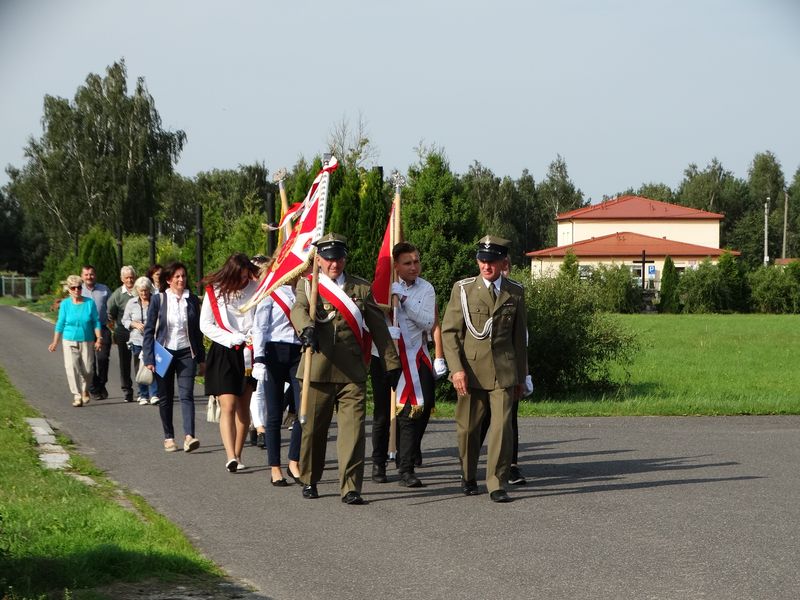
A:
[485,337]
[338,376]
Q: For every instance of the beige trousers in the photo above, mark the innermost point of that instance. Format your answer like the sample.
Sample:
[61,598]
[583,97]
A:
[79,364]
[470,411]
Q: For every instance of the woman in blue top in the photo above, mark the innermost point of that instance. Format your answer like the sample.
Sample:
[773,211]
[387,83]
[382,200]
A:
[79,325]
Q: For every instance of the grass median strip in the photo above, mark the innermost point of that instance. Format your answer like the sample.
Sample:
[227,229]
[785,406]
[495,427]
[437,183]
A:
[57,533]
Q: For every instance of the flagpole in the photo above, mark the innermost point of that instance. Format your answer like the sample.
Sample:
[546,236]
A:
[396,237]
[309,353]
[279,177]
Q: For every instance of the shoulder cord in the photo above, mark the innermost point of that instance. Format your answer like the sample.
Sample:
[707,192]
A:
[487,327]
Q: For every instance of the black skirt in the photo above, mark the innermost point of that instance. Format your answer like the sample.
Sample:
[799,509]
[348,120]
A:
[225,370]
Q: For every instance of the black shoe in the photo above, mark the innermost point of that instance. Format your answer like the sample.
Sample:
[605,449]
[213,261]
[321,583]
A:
[310,491]
[470,488]
[379,473]
[293,477]
[280,483]
[128,396]
[352,498]
[515,477]
[500,496]
[418,461]
[95,397]
[103,394]
[261,439]
[253,437]
[410,480]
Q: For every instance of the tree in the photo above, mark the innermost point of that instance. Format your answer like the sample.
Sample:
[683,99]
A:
[343,204]
[733,284]
[440,221]
[700,289]
[569,268]
[668,294]
[557,194]
[98,248]
[656,191]
[615,289]
[99,159]
[373,215]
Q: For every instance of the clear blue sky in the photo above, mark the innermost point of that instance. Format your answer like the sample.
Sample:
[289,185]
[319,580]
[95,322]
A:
[627,91]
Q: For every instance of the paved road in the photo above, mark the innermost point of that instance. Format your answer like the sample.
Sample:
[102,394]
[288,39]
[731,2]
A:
[616,507]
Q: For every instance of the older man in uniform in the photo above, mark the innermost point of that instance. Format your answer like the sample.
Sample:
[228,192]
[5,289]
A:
[338,367]
[484,333]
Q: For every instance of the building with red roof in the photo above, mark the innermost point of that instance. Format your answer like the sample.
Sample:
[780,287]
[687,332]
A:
[618,231]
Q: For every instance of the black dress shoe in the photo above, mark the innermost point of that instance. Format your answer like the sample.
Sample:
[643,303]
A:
[500,496]
[352,498]
[379,473]
[515,477]
[310,491]
[103,394]
[470,488]
[410,480]
[261,439]
[280,483]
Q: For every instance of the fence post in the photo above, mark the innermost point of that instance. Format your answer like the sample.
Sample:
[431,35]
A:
[28,294]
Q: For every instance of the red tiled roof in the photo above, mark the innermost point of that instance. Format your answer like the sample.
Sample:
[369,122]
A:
[636,207]
[624,244]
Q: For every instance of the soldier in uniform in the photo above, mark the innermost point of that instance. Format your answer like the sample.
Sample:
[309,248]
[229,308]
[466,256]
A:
[339,367]
[484,333]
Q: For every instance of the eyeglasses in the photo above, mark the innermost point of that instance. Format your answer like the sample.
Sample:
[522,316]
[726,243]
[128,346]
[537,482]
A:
[74,287]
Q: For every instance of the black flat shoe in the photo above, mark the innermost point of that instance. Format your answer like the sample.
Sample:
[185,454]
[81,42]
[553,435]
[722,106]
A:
[280,483]
[470,488]
[379,473]
[352,498]
[310,491]
[500,496]
[293,477]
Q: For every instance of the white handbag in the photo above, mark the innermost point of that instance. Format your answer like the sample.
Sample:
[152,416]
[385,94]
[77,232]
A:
[212,411]
[144,376]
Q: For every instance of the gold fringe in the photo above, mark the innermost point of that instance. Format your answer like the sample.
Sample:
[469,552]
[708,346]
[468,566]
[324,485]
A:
[415,413]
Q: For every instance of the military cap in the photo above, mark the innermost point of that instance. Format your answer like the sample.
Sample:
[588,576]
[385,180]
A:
[332,246]
[492,248]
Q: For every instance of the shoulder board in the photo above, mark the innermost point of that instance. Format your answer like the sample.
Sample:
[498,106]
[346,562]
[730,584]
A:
[466,281]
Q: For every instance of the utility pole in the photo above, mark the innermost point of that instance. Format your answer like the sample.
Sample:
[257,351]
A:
[766,231]
[785,220]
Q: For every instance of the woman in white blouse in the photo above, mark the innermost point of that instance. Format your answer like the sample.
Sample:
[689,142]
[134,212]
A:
[229,359]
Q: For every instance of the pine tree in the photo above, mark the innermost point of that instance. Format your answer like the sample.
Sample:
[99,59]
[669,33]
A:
[668,295]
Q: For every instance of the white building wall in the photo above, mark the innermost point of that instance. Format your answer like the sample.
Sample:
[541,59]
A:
[700,232]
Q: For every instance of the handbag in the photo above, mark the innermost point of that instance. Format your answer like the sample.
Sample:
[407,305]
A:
[212,410]
[144,376]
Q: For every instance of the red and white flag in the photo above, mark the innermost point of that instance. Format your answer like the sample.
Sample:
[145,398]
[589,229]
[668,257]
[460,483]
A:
[295,254]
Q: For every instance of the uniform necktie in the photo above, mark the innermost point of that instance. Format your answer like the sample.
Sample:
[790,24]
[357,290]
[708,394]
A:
[493,291]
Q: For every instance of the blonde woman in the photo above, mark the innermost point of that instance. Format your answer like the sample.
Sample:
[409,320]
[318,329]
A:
[79,326]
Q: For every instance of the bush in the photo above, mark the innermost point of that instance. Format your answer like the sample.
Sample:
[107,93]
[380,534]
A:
[668,294]
[615,290]
[99,248]
[775,290]
[699,289]
[55,271]
[136,252]
[572,344]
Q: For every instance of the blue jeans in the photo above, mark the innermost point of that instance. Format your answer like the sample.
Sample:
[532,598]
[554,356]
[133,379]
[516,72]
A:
[185,368]
[145,391]
[282,360]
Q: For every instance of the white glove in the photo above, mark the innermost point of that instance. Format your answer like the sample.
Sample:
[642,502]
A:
[439,367]
[527,387]
[394,332]
[399,290]
[259,372]
[237,339]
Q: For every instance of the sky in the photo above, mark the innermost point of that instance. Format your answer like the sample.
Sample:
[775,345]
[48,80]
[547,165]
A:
[626,91]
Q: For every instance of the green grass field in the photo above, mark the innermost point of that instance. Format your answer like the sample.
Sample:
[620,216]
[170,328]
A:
[699,364]
[57,533]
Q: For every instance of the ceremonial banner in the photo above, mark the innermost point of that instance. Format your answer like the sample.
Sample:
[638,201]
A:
[295,254]
[384,275]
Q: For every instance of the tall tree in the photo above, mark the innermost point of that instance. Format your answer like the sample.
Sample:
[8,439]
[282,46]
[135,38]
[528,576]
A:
[557,194]
[440,221]
[373,214]
[98,159]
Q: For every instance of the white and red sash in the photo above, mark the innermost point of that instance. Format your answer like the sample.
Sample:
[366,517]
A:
[350,312]
[221,317]
[409,387]
[284,302]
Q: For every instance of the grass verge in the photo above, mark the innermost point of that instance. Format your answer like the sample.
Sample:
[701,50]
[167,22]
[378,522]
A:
[59,534]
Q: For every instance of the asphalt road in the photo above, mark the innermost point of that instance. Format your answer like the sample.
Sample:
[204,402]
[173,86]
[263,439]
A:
[614,507]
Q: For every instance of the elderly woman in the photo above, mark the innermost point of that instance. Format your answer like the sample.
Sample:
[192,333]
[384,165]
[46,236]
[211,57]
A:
[173,320]
[134,318]
[79,325]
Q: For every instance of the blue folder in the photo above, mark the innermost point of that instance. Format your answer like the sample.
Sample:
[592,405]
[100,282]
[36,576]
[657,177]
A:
[163,358]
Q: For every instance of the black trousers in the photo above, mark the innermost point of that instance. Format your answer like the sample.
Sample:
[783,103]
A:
[125,357]
[101,358]
[409,431]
